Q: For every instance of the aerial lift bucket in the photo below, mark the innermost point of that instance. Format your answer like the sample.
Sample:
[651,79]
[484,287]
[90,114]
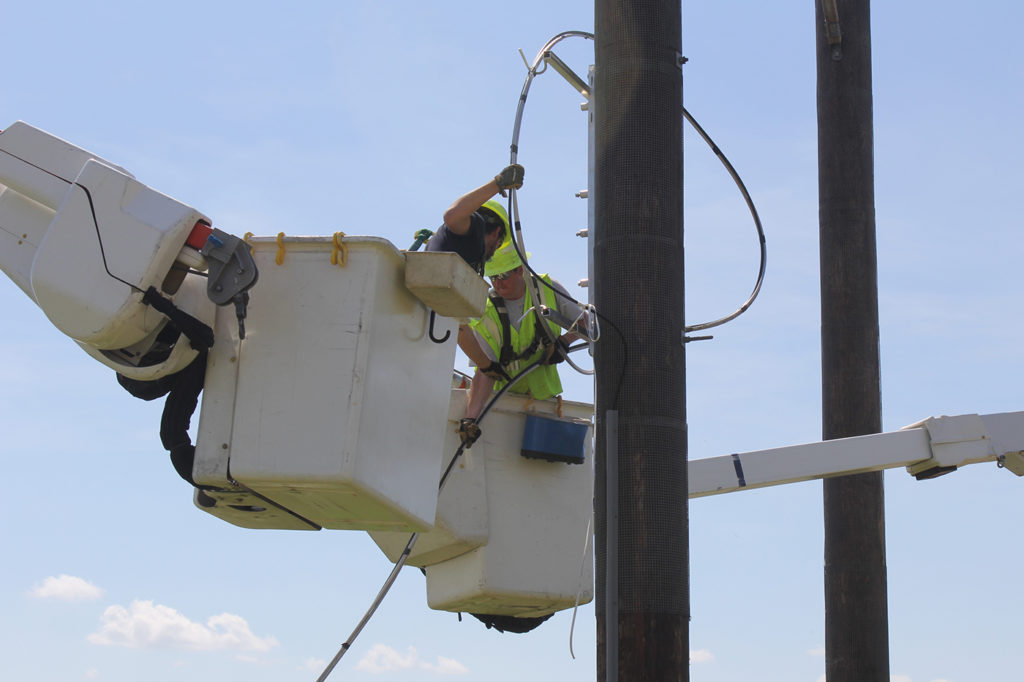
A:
[332,412]
[512,531]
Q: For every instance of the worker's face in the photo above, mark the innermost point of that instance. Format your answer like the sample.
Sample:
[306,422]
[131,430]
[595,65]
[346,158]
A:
[511,285]
[492,240]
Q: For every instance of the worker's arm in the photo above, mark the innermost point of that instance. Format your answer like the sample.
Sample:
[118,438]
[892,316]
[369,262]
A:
[479,392]
[471,347]
[457,215]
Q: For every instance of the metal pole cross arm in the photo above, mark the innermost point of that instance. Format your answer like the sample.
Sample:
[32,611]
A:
[931,447]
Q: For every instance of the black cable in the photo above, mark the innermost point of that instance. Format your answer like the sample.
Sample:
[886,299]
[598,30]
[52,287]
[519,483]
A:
[483,413]
[757,223]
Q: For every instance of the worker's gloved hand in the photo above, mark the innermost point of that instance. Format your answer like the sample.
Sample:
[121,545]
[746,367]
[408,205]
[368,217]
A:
[510,177]
[468,431]
[557,352]
[496,372]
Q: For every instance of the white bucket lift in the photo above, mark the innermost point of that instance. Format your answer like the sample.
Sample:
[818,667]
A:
[332,412]
[511,534]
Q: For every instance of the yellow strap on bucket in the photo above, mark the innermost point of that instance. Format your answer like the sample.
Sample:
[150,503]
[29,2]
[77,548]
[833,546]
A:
[279,258]
[339,247]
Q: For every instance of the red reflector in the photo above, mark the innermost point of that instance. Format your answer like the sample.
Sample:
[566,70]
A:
[200,233]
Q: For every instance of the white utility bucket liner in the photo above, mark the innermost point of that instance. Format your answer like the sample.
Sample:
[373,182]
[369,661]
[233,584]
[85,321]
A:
[332,411]
[511,533]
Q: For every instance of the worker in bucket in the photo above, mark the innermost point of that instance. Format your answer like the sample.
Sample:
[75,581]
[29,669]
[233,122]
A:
[476,224]
[474,227]
[509,336]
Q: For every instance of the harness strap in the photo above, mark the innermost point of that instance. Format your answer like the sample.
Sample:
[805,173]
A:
[199,335]
[507,354]
[546,336]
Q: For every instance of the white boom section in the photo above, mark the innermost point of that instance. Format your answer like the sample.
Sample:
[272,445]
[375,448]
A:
[85,240]
[927,448]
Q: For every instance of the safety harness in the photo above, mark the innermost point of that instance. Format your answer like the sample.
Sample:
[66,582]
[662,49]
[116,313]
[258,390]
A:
[507,355]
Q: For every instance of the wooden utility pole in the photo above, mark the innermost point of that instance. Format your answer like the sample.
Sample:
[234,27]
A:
[856,612]
[642,534]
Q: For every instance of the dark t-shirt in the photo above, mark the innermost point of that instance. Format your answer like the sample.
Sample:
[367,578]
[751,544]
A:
[470,246]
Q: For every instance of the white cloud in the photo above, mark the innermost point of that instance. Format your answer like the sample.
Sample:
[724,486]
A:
[818,653]
[66,588]
[701,656]
[449,666]
[92,674]
[313,664]
[145,624]
[383,659]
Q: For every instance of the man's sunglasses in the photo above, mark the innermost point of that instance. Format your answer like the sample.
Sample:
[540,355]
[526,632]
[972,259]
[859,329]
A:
[502,276]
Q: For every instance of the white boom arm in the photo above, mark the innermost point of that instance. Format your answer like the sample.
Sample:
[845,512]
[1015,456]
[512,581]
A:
[86,241]
[929,448]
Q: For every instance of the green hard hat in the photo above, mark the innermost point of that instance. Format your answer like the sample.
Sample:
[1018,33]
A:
[497,209]
[504,259]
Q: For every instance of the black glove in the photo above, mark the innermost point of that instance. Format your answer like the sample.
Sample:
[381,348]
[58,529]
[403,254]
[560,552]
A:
[496,372]
[468,431]
[557,352]
[510,177]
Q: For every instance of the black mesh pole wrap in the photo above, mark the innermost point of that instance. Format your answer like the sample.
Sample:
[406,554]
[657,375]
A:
[639,361]
[856,612]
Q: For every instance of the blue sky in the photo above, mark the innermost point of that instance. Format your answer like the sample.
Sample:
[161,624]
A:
[370,118]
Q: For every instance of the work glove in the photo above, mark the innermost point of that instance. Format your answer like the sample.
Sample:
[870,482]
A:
[496,372]
[468,431]
[509,177]
[557,352]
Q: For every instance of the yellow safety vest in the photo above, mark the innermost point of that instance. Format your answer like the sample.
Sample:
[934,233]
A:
[543,382]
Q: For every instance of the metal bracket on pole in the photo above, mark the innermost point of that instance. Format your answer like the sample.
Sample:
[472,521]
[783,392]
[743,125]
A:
[568,74]
[611,562]
[832,29]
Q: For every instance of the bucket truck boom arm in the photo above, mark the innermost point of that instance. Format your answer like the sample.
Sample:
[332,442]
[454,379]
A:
[88,243]
[929,448]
